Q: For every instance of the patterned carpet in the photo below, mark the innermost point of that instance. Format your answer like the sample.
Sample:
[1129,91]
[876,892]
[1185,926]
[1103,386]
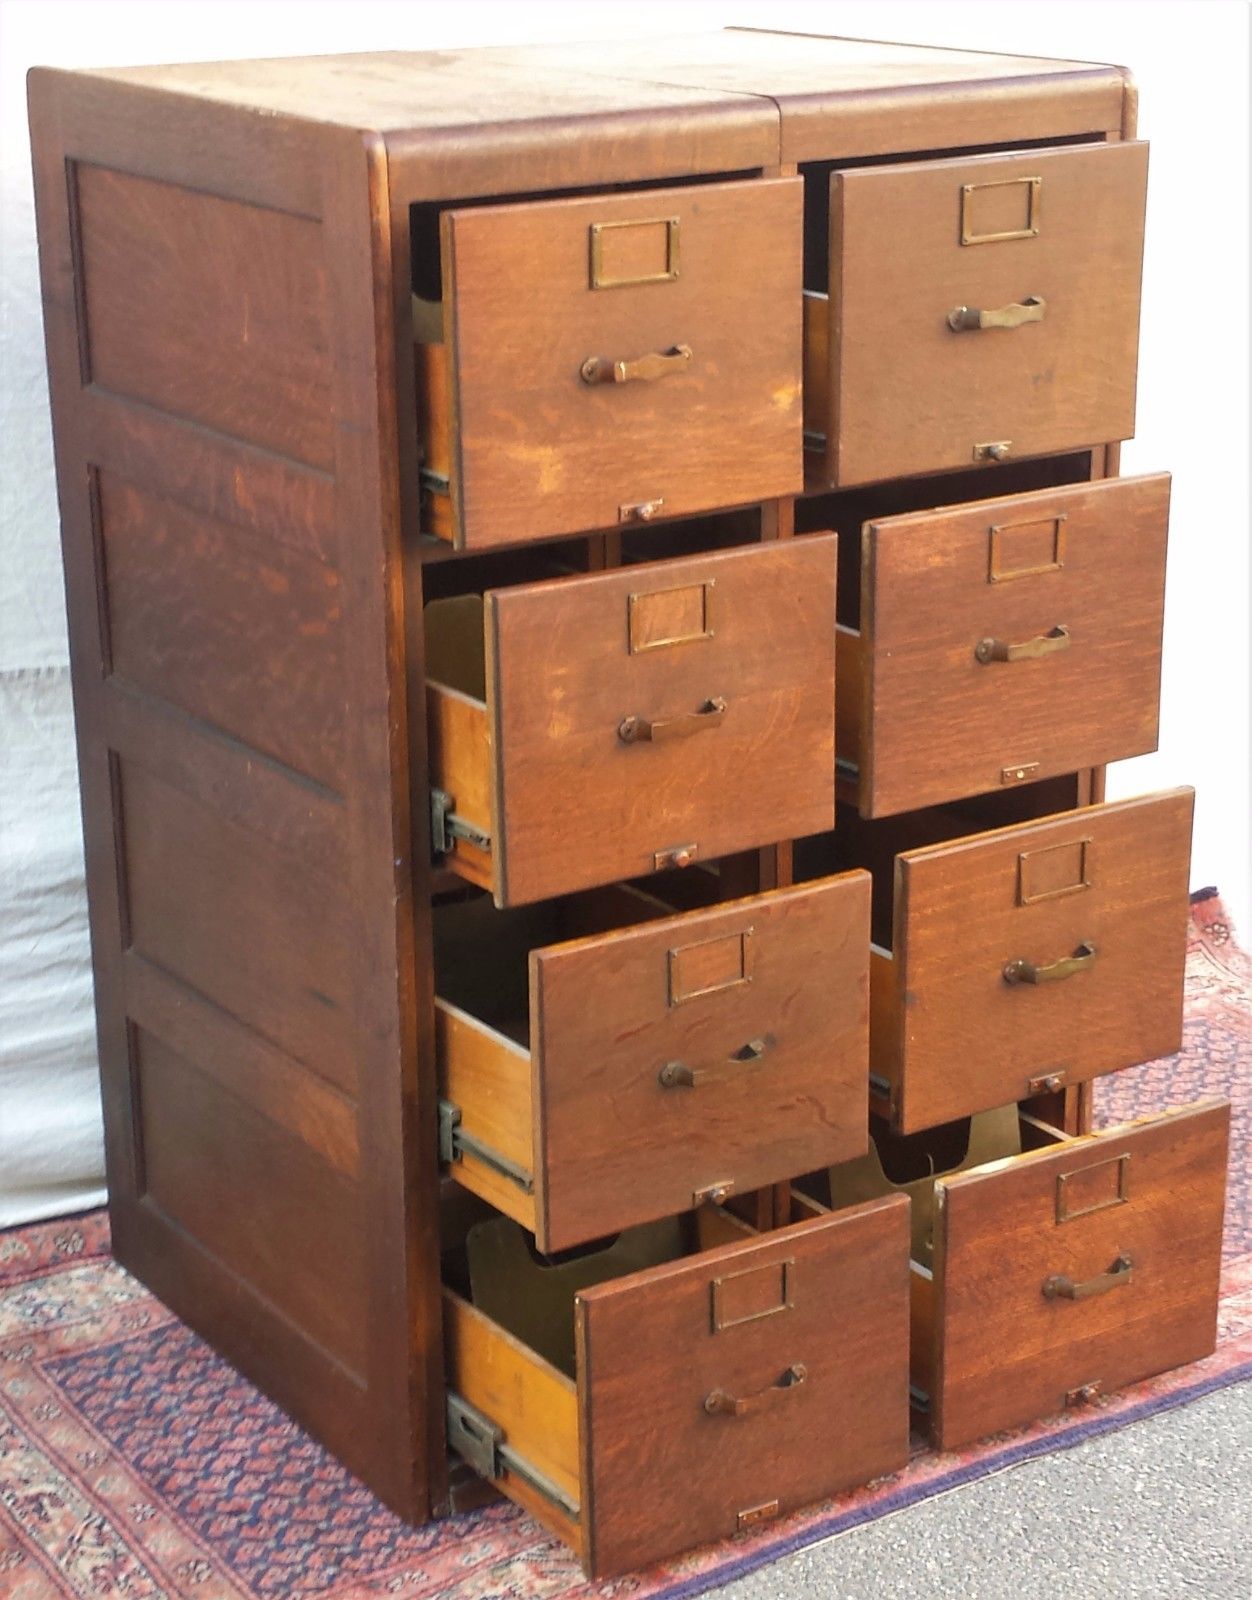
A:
[134,1463]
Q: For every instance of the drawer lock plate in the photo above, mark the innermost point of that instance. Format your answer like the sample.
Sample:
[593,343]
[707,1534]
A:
[481,1444]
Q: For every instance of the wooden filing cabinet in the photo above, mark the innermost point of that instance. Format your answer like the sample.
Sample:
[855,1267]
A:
[600,597]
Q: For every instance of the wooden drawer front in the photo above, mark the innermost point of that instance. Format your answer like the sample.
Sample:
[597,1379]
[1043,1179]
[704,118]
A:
[708,1394]
[913,244]
[539,290]
[1032,624]
[1111,879]
[726,1049]
[1070,1272]
[726,660]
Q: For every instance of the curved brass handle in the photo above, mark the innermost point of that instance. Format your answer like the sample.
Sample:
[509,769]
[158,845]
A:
[644,369]
[1062,1288]
[1027,972]
[962,318]
[718,1403]
[1044,644]
[678,1075]
[633,730]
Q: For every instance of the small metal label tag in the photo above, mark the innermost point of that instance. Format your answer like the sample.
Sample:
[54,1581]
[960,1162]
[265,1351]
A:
[748,1518]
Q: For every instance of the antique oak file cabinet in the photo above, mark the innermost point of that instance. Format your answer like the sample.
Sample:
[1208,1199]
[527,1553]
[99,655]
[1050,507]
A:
[600,596]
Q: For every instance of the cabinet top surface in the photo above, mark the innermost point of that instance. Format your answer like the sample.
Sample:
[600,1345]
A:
[395,92]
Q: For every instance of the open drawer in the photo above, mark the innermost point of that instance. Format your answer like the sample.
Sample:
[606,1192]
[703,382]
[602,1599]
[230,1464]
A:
[1051,1269]
[601,727]
[739,1377]
[1026,959]
[981,309]
[611,359]
[603,1063]
[1031,624]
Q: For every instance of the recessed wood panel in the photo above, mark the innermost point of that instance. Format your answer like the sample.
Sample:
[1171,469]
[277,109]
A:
[208,308]
[257,1198]
[234,629]
[254,928]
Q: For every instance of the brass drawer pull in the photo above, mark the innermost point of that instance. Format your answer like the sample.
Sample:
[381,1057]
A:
[644,369]
[633,730]
[964,318]
[1027,972]
[1062,1288]
[718,1403]
[1044,644]
[678,1075]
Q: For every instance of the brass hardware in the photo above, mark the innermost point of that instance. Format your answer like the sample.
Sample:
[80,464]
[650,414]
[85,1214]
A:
[998,568]
[455,1143]
[996,450]
[1037,870]
[1034,188]
[643,369]
[436,482]
[446,826]
[1066,1182]
[678,1075]
[719,1403]
[1022,971]
[655,618]
[753,1294]
[708,965]
[1043,644]
[636,730]
[713,1194]
[753,1514]
[642,511]
[1060,1287]
[968,318]
[601,235]
[1019,774]
[1085,1394]
[1049,1083]
[481,1444]
[679,855]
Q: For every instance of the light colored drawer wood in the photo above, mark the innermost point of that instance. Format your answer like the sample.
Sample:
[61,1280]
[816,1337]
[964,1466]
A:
[706,1394]
[605,1078]
[689,296]
[1046,245]
[1052,1270]
[602,727]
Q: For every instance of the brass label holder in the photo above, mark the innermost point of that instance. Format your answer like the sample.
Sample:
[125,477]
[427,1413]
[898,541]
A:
[605,234]
[969,227]
[1068,1210]
[1037,876]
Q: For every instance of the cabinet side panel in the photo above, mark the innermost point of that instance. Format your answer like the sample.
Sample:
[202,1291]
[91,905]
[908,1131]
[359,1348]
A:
[233,684]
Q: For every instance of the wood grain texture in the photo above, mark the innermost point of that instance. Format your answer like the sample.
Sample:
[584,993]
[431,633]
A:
[184,592]
[488,1076]
[1008,1354]
[539,451]
[970,1040]
[898,268]
[745,1123]
[936,584]
[207,308]
[653,1335]
[561,678]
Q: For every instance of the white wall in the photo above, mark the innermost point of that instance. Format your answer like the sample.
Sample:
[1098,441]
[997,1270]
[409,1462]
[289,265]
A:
[1191,61]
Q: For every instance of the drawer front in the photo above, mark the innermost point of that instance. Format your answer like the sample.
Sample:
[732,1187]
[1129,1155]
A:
[726,1049]
[1090,905]
[1044,247]
[1071,1272]
[624,356]
[1033,624]
[654,715]
[731,1387]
